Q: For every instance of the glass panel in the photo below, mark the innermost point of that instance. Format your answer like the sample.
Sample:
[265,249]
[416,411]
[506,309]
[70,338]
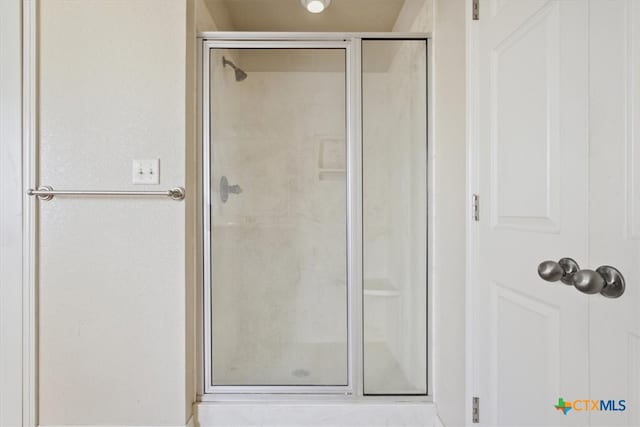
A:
[394,102]
[278,191]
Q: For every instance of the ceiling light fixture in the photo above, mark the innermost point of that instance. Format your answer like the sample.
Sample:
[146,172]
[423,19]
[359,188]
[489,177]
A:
[315,6]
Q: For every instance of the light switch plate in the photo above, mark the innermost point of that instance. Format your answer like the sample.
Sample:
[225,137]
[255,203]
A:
[146,171]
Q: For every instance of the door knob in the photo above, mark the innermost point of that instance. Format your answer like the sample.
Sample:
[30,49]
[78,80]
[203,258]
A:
[562,270]
[588,282]
[605,280]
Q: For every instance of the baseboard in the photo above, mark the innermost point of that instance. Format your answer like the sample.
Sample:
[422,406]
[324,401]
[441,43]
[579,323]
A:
[190,423]
[322,414]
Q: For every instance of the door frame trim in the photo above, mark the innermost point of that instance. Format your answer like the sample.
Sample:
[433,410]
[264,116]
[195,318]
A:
[14,363]
[306,36]
[472,369]
[30,220]
[20,325]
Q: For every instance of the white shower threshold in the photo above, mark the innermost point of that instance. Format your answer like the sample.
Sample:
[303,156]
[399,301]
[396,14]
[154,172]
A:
[316,414]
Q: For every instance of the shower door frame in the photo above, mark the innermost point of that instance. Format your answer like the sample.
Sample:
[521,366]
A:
[351,43]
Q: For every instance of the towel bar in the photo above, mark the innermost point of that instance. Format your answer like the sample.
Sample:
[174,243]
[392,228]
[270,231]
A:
[47,193]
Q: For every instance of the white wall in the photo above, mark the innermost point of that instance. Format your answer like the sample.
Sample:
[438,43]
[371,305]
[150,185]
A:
[112,95]
[203,19]
[112,291]
[219,15]
[192,217]
[449,209]
[415,16]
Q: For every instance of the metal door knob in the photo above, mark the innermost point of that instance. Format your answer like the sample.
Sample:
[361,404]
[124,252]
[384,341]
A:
[588,282]
[562,270]
[605,280]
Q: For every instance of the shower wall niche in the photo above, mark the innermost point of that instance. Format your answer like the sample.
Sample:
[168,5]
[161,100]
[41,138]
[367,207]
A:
[315,216]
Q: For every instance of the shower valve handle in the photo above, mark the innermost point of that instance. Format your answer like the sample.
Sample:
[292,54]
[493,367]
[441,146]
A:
[235,189]
[226,189]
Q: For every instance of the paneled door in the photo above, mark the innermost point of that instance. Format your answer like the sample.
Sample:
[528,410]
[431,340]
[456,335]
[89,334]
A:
[557,135]
[614,207]
[533,147]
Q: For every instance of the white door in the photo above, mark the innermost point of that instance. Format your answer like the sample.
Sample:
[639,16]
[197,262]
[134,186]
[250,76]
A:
[614,208]
[532,140]
[557,129]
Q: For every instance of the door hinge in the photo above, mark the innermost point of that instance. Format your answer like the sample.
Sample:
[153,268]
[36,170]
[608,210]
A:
[475,13]
[475,410]
[475,207]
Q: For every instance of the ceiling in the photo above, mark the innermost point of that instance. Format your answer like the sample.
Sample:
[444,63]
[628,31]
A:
[289,15]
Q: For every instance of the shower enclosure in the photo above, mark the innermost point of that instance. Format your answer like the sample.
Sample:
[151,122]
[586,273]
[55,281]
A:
[314,214]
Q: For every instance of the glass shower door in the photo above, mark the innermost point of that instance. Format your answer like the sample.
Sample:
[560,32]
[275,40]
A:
[277,244]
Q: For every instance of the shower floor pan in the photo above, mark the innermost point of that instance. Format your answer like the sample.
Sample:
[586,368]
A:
[313,364]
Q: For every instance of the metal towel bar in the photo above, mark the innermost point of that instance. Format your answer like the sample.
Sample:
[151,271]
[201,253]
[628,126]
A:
[47,193]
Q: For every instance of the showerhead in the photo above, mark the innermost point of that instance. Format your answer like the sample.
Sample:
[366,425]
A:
[240,74]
